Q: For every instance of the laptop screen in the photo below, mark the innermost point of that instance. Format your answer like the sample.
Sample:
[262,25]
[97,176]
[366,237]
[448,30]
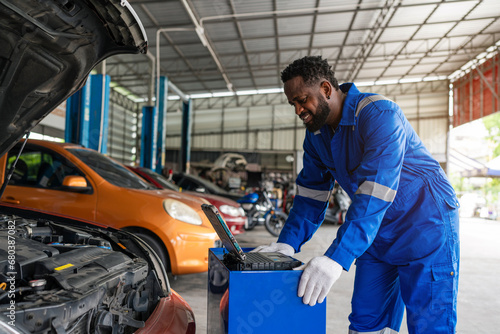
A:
[223,231]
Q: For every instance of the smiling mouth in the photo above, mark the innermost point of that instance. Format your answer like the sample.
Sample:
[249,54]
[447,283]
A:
[305,117]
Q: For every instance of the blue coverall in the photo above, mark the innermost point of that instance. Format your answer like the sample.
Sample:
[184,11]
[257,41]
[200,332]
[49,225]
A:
[402,225]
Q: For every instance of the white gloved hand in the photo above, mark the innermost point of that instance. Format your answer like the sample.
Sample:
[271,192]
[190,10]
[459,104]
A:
[317,279]
[279,247]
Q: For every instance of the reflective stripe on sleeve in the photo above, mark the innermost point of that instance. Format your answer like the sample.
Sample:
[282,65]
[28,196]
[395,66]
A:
[376,190]
[319,195]
[367,100]
[386,330]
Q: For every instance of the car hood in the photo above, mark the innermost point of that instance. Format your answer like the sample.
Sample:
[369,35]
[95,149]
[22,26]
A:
[48,50]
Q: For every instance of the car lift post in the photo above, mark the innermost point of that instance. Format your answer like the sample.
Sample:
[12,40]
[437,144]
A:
[87,114]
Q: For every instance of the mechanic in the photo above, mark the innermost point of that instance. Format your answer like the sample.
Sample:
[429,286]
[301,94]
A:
[402,224]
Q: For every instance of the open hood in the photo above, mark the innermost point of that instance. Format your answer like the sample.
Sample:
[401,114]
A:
[48,49]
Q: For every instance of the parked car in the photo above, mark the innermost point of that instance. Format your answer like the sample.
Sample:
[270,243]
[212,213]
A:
[230,210]
[60,274]
[195,183]
[63,275]
[73,180]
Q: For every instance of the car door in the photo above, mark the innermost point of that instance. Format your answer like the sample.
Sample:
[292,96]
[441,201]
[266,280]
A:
[39,182]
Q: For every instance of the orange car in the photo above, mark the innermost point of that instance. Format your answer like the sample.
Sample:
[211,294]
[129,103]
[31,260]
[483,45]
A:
[72,180]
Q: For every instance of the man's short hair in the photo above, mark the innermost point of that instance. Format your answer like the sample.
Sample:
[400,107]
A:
[312,69]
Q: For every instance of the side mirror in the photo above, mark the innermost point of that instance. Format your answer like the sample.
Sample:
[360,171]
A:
[76,183]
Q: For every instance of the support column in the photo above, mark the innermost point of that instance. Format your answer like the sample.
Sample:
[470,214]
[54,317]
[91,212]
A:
[87,114]
[77,116]
[185,152]
[147,138]
[99,112]
[161,125]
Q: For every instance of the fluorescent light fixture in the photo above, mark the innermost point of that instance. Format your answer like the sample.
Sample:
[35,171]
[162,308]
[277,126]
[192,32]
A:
[435,78]
[386,82]
[223,94]
[247,92]
[470,65]
[365,83]
[482,55]
[270,91]
[201,96]
[35,135]
[410,80]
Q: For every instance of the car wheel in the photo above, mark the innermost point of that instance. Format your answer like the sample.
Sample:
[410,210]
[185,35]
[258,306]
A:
[157,247]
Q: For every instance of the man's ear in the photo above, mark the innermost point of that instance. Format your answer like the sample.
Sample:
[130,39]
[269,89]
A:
[327,88]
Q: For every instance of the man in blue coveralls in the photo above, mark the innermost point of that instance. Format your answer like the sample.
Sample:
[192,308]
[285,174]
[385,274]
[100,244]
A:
[402,225]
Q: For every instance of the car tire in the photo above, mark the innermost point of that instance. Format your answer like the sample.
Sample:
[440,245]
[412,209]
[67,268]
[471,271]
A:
[157,247]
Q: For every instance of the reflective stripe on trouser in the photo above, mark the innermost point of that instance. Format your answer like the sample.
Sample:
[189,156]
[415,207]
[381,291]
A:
[382,331]
[418,269]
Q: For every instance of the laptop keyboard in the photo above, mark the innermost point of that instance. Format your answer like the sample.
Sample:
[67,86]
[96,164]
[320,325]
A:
[257,257]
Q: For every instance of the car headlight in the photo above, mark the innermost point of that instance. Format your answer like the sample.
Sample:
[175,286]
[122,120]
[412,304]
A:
[181,211]
[230,210]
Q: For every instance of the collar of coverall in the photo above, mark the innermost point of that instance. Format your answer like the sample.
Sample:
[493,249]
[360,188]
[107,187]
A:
[348,109]
[350,103]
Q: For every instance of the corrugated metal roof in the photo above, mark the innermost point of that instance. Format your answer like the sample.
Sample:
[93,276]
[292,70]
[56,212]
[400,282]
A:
[366,40]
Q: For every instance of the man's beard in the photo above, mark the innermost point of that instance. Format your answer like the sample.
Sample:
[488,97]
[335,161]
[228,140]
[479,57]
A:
[319,119]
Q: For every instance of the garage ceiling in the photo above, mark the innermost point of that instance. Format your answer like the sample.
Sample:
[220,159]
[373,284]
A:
[237,45]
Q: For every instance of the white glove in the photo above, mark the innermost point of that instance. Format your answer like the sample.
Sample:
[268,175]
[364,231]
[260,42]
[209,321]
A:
[317,279]
[279,247]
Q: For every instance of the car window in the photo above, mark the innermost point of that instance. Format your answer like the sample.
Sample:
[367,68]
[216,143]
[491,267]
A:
[213,188]
[186,184]
[160,179]
[110,170]
[39,167]
[192,182]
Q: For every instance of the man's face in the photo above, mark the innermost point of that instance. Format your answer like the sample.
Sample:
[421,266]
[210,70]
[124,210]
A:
[309,103]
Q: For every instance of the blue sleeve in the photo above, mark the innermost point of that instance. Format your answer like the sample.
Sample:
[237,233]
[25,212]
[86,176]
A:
[314,187]
[383,137]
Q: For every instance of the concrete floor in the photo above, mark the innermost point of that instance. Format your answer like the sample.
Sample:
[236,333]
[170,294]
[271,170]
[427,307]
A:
[479,289]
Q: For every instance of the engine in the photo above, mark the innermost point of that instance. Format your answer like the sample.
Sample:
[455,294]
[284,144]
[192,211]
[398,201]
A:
[56,278]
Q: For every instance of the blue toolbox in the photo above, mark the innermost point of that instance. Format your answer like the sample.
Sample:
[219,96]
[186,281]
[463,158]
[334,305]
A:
[246,302]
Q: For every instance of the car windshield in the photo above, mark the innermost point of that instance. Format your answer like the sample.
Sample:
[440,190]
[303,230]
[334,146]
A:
[209,185]
[109,169]
[160,179]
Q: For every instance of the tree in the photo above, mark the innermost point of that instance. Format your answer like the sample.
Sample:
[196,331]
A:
[492,124]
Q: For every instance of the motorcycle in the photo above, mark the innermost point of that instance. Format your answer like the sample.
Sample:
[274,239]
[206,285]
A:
[337,207]
[261,209]
[339,204]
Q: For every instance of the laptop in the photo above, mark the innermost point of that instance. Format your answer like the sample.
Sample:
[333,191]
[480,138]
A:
[235,258]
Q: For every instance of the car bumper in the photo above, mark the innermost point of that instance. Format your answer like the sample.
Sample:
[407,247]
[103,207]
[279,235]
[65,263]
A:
[191,252]
[172,315]
[236,224]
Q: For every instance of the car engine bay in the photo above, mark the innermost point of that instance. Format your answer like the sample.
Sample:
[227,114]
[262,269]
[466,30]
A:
[57,278]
